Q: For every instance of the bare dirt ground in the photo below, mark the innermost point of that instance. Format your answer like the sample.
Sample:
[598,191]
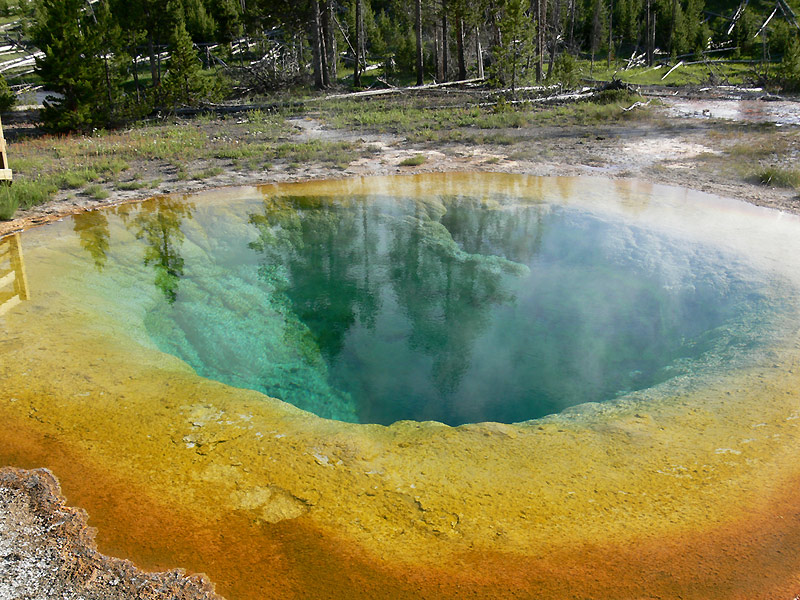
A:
[46,550]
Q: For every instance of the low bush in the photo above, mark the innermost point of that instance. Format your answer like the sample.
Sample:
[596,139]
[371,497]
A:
[413,161]
[789,72]
[76,178]
[780,177]
[208,173]
[7,97]
[31,193]
[8,204]
[97,191]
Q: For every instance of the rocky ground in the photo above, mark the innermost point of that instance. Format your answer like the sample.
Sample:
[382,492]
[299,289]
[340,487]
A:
[46,549]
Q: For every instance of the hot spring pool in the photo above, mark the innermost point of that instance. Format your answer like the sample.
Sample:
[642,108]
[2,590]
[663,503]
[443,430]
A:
[416,386]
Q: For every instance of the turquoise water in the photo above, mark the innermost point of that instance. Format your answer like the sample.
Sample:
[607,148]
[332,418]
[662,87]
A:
[457,310]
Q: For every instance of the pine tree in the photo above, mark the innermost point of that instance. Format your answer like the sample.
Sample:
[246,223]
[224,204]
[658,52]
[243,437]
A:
[317,46]
[199,22]
[517,36]
[696,31]
[109,44]
[598,27]
[677,37]
[79,64]
[628,21]
[358,42]
[228,16]
[744,33]
[565,72]
[184,83]
[7,96]
[789,71]
[149,17]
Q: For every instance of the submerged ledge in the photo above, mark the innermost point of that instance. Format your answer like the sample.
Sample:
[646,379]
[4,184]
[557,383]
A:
[178,470]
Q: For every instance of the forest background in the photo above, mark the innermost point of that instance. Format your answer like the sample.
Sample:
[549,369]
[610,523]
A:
[108,62]
[379,82]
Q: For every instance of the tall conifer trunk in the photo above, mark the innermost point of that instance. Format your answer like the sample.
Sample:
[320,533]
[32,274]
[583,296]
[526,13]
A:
[316,49]
[610,32]
[444,40]
[418,32]
[572,10]
[540,11]
[554,36]
[151,50]
[648,28]
[330,41]
[437,51]
[673,28]
[479,51]
[358,42]
[462,59]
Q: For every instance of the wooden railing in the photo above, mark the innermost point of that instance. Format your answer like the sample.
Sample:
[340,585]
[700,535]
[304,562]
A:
[13,281]
[5,172]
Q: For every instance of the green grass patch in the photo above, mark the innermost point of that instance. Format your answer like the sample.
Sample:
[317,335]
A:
[73,162]
[730,73]
[208,173]
[413,161]
[170,142]
[76,178]
[237,151]
[421,123]
[130,186]
[758,147]
[268,123]
[780,177]
[111,166]
[607,106]
[9,203]
[29,193]
[329,153]
[391,116]
[97,191]
[33,193]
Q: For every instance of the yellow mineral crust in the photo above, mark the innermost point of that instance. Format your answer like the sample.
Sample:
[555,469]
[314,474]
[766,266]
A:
[685,492]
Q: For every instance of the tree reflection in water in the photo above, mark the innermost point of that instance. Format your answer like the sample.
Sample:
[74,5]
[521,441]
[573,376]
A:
[92,229]
[158,224]
[340,263]
[454,309]
[318,251]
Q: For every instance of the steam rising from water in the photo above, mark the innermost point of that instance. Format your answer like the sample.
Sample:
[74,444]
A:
[452,308]
[697,471]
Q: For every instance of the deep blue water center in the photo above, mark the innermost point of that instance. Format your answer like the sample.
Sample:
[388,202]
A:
[456,309]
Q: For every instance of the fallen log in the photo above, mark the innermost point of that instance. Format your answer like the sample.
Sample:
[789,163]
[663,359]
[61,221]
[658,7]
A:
[398,90]
[671,70]
[635,105]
